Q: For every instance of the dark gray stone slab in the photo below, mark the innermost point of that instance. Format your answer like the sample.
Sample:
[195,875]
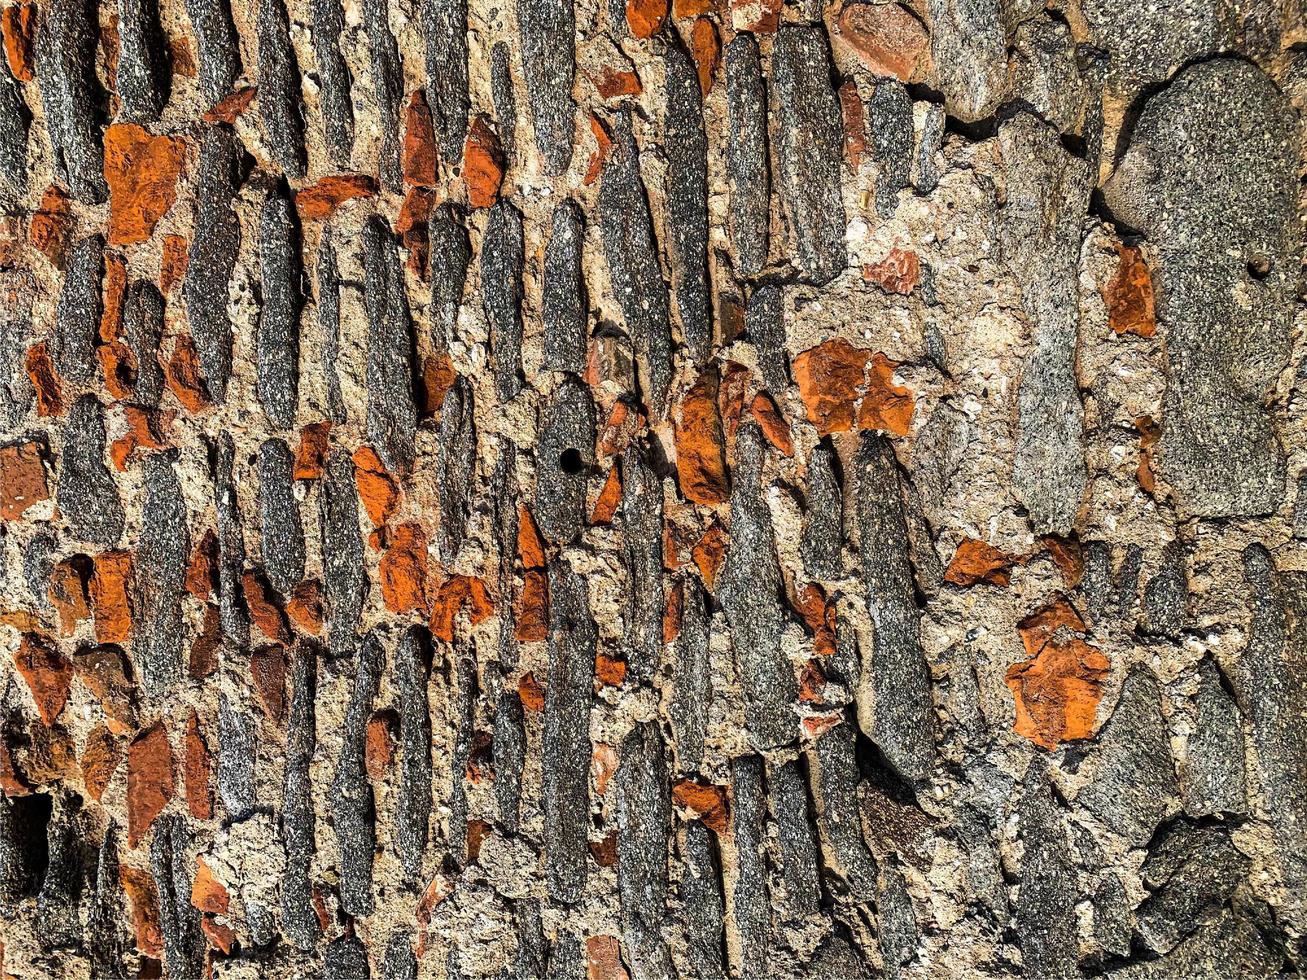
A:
[1225,946]
[822,544]
[413,793]
[701,901]
[212,256]
[143,326]
[800,858]
[502,255]
[444,28]
[333,80]
[329,323]
[642,549]
[926,169]
[462,719]
[346,958]
[17,291]
[77,314]
[1046,75]
[232,611]
[749,898]
[644,817]
[686,147]
[564,452]
[1189,868]
[179,922]
[809,150]
[392,416]
[504,494]
[509,756]
[902,721]
[216,46]
[748,177]
[898,922]
[691,678]
[281,105]
[23,847]
[764,322]
[399,962]
[281,534]
[632,257]
[1045,914]
[1215,191]
[547,30]
[237,756]
[350,797]
[70,95]
[835,777]
[1113,923]
[344,576]
[57,923]
[141,78]
[563,289]
[565,739]
[278,342]
[86,495]
[969,51]
[451,254]
[501,94]
[456,465]
[299,920]
[889,126]
[387,89]
[1212,774]
[38,563]
[162,553]
[106,941]
[1166,596]
[1146,45]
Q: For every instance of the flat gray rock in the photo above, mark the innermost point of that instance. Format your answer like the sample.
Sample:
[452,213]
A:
[278,340]
[71,96]
[547,33]
[749,179]
[87,495]
[392,416]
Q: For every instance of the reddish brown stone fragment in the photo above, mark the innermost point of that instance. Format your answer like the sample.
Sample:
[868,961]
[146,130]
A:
[263,609]
[12,782]
[201,574]
[887,38]
[378,491]
[141,171]
[379,744]
[614,84]
[139,888]
[645,17]
[403,570]
[147,428]
[978,561]
[22,479]
[531,609]
[68,592]
[231,106]
[203,659]
[268,674]
[756,16]
[103,672]
[52,225]
[438,377]
[110,597]
[897,273]
[45,379]
[1150,433]
[184,377]
[609,498]
[610,670]
[855,124]
[706,802]
[419,156]
[886,406]
[530,545]
[604,850]
[305,607]
[818,613]
[172,262]
[1057,692]
[208,894]
[199,798]
[830,377]
[1067,556]
[706,49]
[456,594]
[700,454]
[708,554]
[603,956]
[531,692]
[221,937]
[691,8]
[483,164]
[312,451]
[772,422]
[674,612]
[323,198]
[18,24]
[1129,294]
[100,759]
[150,783]
[603,146]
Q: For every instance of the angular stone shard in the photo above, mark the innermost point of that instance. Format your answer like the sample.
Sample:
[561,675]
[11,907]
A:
[764,322]
[451,254]
[1212,775]
[800,859]
[691,679]
[87,496]
[701,899]
[333,79]
[462,719]
[1167,594]
[747,173]
[143,327]
[1214,191]
[563,286]
[509,746]
[686,147]
[1132,778]
[216,43]
[749,587]
[926,169]
[161,556]
[344,574]
[298,822]
[350,796]
[1190,868]
[329,322]
[822,544]
[444,27]
[456,465]
[213,251]
[501,93]
[279,321]
[387,88]
[1048,196]
[232,611]
[834,765]
[898,922]
[564,452]
[1046,917]
[14,121]
[565,739]
[632,257]
[894,699]
[281,106]
[413,805]
[548,36]
[749,899]
[1225,945]
[57,924]
[77,315]
[644,811]
[179,922]
[502,255]
[969,52]
[106,944]
[392,416]
[889,118]
[281,539]
[70,96]
[809,151]
[237,756]
[642,538]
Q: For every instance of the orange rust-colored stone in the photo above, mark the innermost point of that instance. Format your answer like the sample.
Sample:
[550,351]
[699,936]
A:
[460,593]
[208,894]
[312,451]
[403,570]
[305,607]
[201,573]
[1057,692]
[184,376]
[67,592]
[603,146]
[730,397]
[706,802]
[772,423]
[612,84]
[897,273]
[609,498]
[888,39]
[531,608]
[709,553]
[610,670]
[1041,626]
[173,260]
[323,198]
[886,406]
[1129,294]
[141,171]
[22,479]
[438,376]
[196,768]
[1067,556]
[221,937]
[830,377]
[483,164]
[604,850]
[756,16]
[706,49]
[477,832]
[530,545]
[100,760]
[139,888]
[691,8]
[812,683]
[645,17]
[51,225]
[268,678]
[150,783]
[531,693]
[700,454]
[231,106]
[674,611]
[603,959]
[855,124]
[103,672]
[625,421]
[203,659]
[978,561]
[377,489]
[379,745]
[819,614]
[117,362]
[45,379]
[111,596]
[18,24]
[419,156]
[603,763]
[1150,433]
[269,619]
[147,428]
[12,782]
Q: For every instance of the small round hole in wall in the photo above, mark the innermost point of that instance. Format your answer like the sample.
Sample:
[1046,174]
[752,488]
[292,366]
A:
[570,461]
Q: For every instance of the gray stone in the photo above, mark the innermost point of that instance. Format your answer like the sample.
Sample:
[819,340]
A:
[504,513]
[399,962]
[691,678]
[344,575]
[1045,914]
[1212,774]
[451,254]
[748,178]
[702,903]
[547,30]
[750,902]
[141,78]
[565,738]
[1112,917]
[644,816]
[444,28]
[299,920]
[894,698]
[70,95]
[212,256]
[809,150]
[387,88]
[346,958]
[38,563]
[1215,192]
[87,496]
[764,322]
[509,756]
[77,315]
[350,797]
[686,147]
[57,923]
[563,292]
[281,106]
[564,452]
[800,858]
[413,792]
[162,553]
[898,921]
[632,257]
[17,291]
[969,53]
[1226,946]
[143,326]
[642,540]
[14,121]
[1146,45]
[232,611]
[462,719]
[106,940]
[23,846]
[926,170]
[1166,596]
[179,922]
[237,755]
[501,94]
[1188,870]
[502,256]
[822,544]
[216,47]
[889,125]
[281,537]
[749,587]
[329,323]
[835,776]
[334,99]
[392,416]
[278,340]
[456,465]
